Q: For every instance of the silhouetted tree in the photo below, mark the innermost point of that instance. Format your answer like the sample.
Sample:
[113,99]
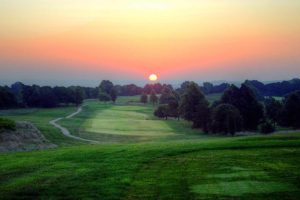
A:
[161,112]
[106,86]
[153,98]
[113,94]
[245,101]
[273,109]
[144,98]
[291,110]
[103,96]
[7,99]
[194,107]
[226,119]
[79,95]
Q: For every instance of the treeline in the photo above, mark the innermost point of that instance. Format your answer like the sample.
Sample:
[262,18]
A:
[237,110]
[20,95]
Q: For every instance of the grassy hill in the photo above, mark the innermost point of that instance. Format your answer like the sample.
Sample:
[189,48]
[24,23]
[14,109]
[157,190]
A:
[145,158]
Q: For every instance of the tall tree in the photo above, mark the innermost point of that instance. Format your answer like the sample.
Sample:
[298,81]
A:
[226,119]
[153,98]
[79,95]
[245,101]
[106,86]
[291,110]
[113,94]
[273,110]
[144,98]
[193,106]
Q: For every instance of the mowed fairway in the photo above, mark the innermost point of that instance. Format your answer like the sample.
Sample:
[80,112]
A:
[122,122]
[127,120]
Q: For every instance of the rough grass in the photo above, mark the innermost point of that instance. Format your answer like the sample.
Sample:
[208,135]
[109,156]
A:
[40,118]
[227,168]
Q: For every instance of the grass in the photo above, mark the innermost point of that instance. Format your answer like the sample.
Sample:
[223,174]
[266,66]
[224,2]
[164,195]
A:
[170,160]
[126,123]
[40,118]
[227,168]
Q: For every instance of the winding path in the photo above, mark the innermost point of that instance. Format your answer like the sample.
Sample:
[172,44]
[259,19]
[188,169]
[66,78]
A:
[66,132]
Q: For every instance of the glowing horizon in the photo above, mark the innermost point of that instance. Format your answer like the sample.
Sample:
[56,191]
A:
[208,40]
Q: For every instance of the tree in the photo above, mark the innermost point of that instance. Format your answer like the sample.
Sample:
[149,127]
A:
[245,101]
[193,106]
[161,112]
[7,99]
[144,98]
[226,119]
[266,127]
[47,98]
[103,96]
[113,94]
[106,86]
[273,109]
[166,96]
[153,98]
[291,110]
[79,95]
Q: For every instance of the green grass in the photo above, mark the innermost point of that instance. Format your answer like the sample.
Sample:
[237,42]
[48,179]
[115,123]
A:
[170,160]
[120,122]
[40,118]
[229,168]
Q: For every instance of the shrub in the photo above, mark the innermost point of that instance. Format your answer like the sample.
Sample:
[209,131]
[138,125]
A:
[7,124]
[266,127]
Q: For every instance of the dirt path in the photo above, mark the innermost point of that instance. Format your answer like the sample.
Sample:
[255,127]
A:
[66,132]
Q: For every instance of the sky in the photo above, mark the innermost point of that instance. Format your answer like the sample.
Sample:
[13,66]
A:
[64,42]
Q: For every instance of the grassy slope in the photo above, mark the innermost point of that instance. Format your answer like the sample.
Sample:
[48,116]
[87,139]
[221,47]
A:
[259,167]
[41,118]
[248,167]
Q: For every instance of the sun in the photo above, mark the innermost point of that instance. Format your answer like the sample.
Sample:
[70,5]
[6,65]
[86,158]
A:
[153,77]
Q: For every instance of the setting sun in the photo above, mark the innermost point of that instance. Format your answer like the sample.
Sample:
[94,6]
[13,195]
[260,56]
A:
[153,77]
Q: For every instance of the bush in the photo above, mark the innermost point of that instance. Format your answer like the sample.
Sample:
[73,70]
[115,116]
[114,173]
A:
[7,124]
[266,127]
[161,112]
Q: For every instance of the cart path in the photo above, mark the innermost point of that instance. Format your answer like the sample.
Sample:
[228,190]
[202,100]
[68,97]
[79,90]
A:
[66,132]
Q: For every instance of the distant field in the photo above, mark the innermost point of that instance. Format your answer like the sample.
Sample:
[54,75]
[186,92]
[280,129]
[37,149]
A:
[122,122]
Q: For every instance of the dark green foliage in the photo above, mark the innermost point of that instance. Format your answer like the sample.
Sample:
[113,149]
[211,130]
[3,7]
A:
[107,91]
[113,94]
[161,111]
[7,99]
[79,95]
[273,109]
[266,127]
[7,124]
[167,96]
[144,98]
[106,86]
[103,96]
[130,90]
[194,107]
[258,95]
[226,119]
[291,110]
[153,98]
[245,101]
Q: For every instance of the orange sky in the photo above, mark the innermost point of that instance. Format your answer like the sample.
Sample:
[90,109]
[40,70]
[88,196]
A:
[178,40]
